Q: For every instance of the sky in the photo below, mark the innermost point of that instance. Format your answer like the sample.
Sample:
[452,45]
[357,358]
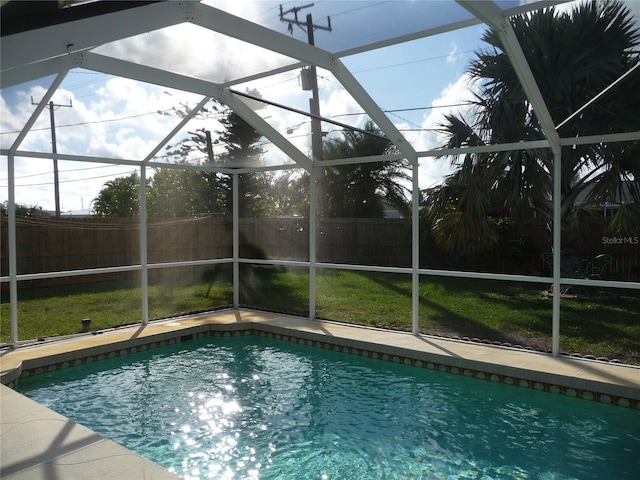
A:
[100,115]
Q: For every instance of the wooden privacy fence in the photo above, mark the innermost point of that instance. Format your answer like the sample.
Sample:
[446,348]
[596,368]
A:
[49,245]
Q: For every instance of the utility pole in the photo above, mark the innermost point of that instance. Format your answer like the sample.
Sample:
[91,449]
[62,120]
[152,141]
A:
[310,82]
[202,135]
[54,149]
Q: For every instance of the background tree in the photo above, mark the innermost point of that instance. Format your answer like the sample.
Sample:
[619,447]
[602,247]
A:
[177,193]
[573,57]
[22,210]
[200,142]
[290,194]
[361,190]
[240,141]
[119,198]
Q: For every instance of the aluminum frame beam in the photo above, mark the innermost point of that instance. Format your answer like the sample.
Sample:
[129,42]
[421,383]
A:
[29,72]
[493,16]
[240,29]
[36,113]
[44,43]
[256,121]
[188,117]
[157,76]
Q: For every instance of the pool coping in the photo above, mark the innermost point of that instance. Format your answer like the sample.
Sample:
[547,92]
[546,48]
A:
[617,384]
[37,443]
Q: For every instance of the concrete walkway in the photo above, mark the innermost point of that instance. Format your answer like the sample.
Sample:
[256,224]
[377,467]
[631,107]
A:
[37,443]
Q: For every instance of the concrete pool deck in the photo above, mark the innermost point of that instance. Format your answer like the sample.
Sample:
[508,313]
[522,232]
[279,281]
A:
[36,443]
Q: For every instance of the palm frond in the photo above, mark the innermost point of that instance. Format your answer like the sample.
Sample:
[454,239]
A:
[573,56]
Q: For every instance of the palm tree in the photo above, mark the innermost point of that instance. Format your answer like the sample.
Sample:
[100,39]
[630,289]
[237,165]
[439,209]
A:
[361,190]
[573,57]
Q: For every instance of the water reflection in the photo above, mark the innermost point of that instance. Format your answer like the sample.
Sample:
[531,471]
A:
[272,410]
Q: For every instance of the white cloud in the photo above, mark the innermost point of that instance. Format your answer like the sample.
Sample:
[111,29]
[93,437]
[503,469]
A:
[196,52]
[452,100]
[453,56]
[341,106]
[118,119]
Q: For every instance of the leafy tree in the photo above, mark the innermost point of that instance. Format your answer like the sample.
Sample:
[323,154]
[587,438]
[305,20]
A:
[573,57]
[177,193]
[361,190]
[119,198]
[290,194]
[33,211]
[171,193]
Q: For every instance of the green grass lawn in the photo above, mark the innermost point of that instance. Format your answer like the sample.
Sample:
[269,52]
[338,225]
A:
[60,310]
[490,311]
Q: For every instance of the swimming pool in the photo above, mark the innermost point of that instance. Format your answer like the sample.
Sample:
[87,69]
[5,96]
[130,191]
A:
[252,407]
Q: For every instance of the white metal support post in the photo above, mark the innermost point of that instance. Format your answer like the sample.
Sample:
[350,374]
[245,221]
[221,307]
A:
[11,224]
[144,272]
[415,250]
[13,268]
[491,14]
[313,218]
[557,252]
[236,242]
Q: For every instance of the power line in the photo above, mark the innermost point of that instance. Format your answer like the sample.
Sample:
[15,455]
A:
[71,181]
[95,121]
[394,65]
[360,8]
[61,171]
[170,109]
[318,118]
[44,184]
[392,111]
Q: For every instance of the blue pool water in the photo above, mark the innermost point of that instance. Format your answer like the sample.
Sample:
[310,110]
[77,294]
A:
[256,408]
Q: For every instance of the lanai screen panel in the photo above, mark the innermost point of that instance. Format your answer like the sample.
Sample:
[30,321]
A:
[190,50]
[354,25]
[229,42]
